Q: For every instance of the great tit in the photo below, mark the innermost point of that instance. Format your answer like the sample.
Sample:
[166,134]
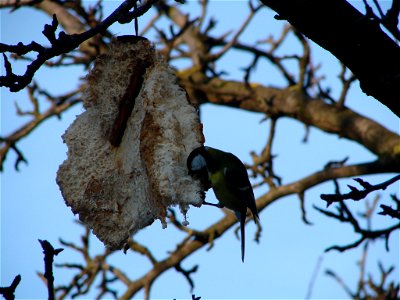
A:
[227,175]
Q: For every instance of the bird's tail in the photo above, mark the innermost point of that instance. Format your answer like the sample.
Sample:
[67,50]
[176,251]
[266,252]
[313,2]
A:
[242,235]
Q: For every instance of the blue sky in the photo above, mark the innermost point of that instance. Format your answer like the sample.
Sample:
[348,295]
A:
[280,266]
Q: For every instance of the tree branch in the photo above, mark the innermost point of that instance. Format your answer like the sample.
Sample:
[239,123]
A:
[58,105]
[8,292]
[49,253]
[295,104]
[388,211]
[344,215]
[356,194]
[353,38]
[191,245]
[64,43]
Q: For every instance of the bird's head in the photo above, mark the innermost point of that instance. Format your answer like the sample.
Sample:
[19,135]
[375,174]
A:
[199,163]
[196,161]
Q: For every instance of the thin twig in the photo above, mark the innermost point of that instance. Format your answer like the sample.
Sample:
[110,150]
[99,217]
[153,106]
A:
[234,39]
[49,253]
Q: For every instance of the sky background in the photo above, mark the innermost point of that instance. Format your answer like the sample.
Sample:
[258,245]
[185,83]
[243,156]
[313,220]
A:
[280,266]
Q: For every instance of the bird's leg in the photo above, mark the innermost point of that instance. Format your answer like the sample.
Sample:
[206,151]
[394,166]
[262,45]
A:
[219,205]
[203,197]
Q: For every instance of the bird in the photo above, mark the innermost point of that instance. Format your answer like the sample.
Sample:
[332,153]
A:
[228,177]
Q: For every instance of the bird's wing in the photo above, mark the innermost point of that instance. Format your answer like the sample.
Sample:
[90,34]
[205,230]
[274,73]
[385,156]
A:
[238,181]
[236,175]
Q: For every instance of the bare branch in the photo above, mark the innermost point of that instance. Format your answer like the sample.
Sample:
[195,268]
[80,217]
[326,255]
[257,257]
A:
[388,211]
[346,83]
[49,253]
[353,38]
[8,292]
[142,250]
[59,104]
[234,39]
[356,194]
[95,266]
[344,215]
[341,282]
[263,164]
[187,274]
[189,246]
[368,288]
[389,20]
[64,43]
[303,209]
[295,104]
[314,276]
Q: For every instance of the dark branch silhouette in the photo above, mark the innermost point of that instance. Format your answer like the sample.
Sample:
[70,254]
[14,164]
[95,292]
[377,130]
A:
[49,253]
[187,274]
[389,211]
[355,39]
[367,287]
[344,215]
[63,43]
[356,194]
[9,291]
